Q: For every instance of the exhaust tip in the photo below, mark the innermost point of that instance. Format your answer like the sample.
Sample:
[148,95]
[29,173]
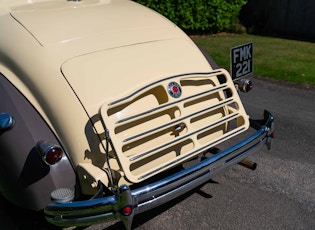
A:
[248,164]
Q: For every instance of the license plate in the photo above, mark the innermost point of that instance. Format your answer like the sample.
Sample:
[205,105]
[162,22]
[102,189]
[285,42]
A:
[242,59]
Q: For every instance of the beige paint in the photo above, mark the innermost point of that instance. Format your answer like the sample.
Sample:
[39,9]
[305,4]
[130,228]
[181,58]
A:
[56,52]
[153,131]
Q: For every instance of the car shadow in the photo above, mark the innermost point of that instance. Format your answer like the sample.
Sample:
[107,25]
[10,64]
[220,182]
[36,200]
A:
[13,217]
[147,216]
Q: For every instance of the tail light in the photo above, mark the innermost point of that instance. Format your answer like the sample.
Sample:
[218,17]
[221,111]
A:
[126,211]
[244,85]
[50,153]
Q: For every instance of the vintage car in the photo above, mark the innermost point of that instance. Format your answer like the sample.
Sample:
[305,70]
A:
[107,110]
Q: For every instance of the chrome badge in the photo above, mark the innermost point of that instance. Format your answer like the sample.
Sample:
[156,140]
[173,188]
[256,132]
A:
[174,89]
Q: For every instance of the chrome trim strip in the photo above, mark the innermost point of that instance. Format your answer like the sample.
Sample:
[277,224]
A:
[83,213]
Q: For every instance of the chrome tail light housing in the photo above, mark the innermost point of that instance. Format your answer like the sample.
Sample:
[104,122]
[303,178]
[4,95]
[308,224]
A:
[49,152]
[244,85]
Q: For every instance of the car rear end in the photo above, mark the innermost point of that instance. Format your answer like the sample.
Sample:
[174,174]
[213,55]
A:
[137,109]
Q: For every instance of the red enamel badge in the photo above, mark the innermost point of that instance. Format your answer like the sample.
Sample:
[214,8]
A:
[174,89]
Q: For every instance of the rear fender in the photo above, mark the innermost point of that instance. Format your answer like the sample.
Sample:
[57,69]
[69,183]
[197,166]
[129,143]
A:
[25,179]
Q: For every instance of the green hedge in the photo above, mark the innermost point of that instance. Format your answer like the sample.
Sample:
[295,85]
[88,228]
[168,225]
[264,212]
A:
[199,15]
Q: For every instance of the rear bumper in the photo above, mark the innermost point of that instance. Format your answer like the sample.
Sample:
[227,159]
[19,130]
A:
[127,203]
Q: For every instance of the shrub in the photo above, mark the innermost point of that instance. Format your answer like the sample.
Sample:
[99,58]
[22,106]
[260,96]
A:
[199,15]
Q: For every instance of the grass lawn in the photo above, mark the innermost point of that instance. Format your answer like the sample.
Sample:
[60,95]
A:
[276,58]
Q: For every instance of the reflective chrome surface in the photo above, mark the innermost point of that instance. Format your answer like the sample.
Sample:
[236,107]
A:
[83,213]
[6,122]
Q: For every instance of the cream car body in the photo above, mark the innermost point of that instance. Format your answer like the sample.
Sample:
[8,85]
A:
[99,75]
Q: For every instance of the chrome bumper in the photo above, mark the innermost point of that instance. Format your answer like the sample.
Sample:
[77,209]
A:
[127,203]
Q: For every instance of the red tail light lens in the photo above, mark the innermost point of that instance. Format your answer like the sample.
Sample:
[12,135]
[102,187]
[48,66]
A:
[127,210]
[245,85]
[248,86]
[50,153]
